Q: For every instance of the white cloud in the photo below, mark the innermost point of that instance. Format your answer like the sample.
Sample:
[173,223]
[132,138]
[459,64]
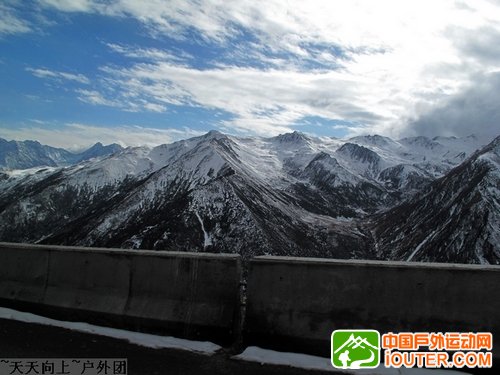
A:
[149,54]
[128,101]
[95,98]
[262,101]
[46,73]
[10,23]
[381,63]
[474,111]
[80,136]
[72,5]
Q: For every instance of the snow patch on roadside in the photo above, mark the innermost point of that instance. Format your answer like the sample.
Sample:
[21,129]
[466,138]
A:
[137,338]
[310,362]
[266,356]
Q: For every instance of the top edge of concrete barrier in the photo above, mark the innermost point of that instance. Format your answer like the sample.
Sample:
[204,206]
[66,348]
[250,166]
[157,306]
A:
[103,250]
[375,263]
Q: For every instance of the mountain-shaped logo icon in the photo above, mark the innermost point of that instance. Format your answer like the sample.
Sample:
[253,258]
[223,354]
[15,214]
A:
[355,349]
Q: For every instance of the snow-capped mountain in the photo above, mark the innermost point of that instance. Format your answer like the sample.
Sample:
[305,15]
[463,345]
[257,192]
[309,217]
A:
[95,151]
[288,195]
[456,219]
[31,154]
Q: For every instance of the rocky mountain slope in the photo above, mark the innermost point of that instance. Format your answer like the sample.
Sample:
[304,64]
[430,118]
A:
[456,218]
[30,154]
[286,195]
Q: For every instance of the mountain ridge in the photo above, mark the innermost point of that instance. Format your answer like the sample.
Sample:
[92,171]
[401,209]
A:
[458,216]
[291,195]
[31,154]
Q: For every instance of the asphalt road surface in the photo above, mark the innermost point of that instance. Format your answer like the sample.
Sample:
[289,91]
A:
[27,340]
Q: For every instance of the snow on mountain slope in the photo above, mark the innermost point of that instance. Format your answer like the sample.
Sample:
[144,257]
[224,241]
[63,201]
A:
[28,154]
[32,154]
[95,151]
[457,219]
[362,160]
[290,195]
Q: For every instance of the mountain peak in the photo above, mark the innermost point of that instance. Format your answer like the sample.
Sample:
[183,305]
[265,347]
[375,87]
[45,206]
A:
[455,219]
[440,137]
[98,150]
[287,195]
[492,147]
[213,134]
[30,154]
[294,137]
[373,140]
[421,141]
[358,152]
[322,156]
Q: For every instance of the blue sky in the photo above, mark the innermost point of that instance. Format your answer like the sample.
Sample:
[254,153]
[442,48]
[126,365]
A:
[73,72]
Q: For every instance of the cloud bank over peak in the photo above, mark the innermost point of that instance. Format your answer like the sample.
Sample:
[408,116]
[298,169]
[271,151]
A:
[473,111]
[387,67]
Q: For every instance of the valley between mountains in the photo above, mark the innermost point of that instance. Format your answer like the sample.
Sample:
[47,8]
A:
[367,197]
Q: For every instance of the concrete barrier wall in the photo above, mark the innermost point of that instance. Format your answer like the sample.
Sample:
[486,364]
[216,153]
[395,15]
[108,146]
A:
[23,274]
[184,294]
[193,295]
[295,303]
[91,281]
[292,304]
